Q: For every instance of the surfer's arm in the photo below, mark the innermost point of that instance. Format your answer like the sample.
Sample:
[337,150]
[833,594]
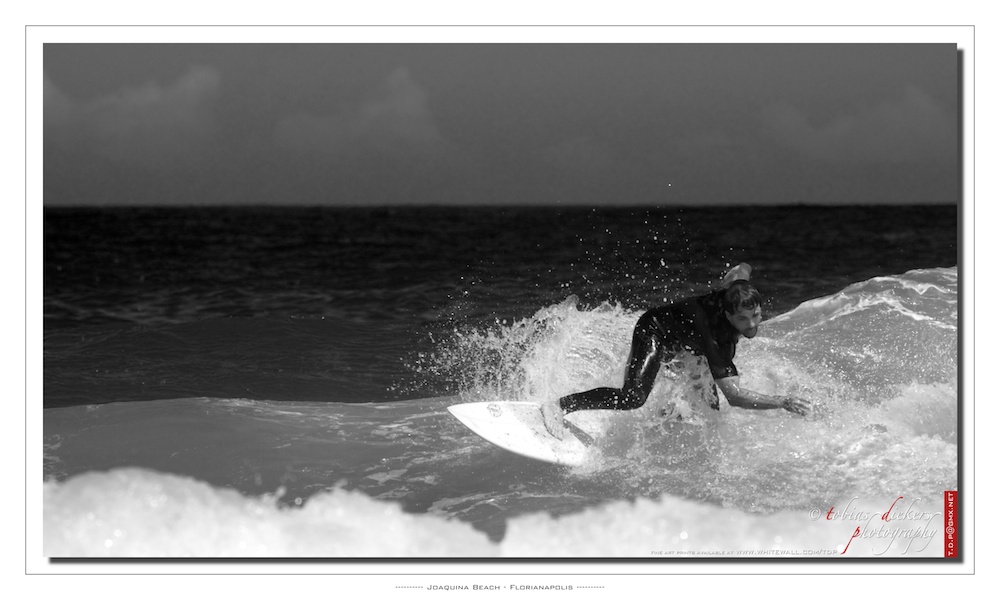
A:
[744,398]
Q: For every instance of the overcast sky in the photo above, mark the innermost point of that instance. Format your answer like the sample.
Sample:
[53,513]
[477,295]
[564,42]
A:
[500,124]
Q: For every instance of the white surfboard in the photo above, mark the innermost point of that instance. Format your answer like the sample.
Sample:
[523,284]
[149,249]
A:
[519,428]
[740,271]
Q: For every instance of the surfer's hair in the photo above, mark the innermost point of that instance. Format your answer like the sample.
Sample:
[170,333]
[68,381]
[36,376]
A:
[740,295]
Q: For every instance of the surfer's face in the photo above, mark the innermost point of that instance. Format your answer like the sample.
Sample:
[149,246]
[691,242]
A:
[746,320]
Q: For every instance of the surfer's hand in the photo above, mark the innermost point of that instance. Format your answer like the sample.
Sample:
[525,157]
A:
[795,405]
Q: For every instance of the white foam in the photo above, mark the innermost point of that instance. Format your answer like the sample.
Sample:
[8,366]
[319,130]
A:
[138,512]
[142,513]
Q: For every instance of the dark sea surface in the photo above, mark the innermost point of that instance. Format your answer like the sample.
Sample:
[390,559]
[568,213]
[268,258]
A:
[353,304]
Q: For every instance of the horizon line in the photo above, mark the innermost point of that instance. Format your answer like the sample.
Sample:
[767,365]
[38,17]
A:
[511,205]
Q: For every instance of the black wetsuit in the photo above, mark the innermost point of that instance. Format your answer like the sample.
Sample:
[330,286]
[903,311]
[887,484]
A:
[694,324]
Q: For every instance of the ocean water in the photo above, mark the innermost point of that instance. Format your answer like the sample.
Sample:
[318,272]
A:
[274,382]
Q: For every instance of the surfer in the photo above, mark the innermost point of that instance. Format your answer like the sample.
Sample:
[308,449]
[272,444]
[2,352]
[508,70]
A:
[708,326]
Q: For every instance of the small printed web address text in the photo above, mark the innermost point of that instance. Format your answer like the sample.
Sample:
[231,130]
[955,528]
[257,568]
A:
[497,588]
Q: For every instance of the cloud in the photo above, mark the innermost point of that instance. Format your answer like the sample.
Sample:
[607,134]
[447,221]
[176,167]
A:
[150,125]
[911,129]
[396,121]
[58,108]
[580,153]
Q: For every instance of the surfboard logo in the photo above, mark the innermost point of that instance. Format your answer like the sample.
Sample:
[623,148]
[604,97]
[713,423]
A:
[494,410]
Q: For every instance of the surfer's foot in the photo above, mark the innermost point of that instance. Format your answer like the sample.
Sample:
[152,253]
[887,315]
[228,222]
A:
[552,416]
[670,412]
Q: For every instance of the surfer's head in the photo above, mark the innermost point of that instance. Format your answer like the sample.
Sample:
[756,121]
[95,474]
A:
[741,302]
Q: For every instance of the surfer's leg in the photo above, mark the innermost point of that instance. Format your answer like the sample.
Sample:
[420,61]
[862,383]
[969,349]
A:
[643,364]
[641,373]
[604,397]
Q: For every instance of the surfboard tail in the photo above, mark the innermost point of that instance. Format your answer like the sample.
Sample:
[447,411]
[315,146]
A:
[740,271]
[519,428]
